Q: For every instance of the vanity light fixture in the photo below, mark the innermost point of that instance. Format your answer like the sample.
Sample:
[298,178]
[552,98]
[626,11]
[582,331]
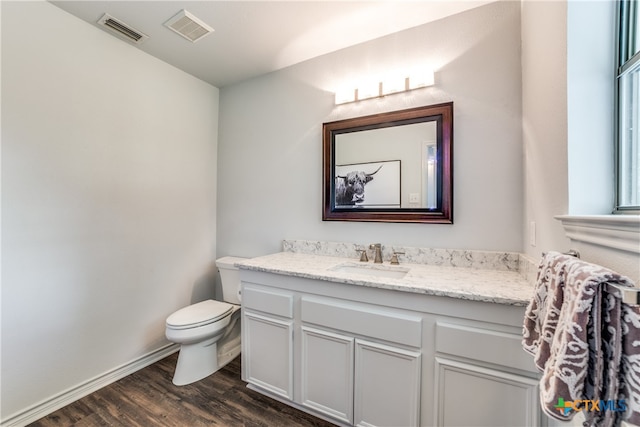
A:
[394,84]
[369,89]
[388,86]
[420,80]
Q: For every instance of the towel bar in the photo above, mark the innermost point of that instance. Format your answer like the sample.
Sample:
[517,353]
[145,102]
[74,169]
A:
[629,295]
[572,252]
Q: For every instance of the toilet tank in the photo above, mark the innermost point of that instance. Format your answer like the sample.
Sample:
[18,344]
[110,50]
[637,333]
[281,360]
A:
[230,278]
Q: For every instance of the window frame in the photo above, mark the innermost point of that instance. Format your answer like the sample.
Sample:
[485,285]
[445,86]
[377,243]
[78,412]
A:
[626,60]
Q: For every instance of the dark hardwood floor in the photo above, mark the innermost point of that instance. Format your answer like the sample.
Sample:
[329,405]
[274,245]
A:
[149,398]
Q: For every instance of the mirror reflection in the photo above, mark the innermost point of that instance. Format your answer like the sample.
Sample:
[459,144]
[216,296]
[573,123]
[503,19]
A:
[391,167]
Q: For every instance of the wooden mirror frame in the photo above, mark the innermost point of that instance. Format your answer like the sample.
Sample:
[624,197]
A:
[442,214]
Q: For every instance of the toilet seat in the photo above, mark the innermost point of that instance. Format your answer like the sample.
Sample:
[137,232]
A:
[200,314]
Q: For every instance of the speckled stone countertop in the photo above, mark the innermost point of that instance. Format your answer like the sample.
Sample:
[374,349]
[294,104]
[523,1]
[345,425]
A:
[470,275]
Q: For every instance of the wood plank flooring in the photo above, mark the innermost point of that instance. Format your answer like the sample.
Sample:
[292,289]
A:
[148,398]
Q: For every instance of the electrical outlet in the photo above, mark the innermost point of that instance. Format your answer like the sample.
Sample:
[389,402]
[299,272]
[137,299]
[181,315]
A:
[414,197]
[532,233]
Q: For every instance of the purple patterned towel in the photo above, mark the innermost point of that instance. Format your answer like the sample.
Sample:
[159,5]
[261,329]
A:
[573,328]
[630,366]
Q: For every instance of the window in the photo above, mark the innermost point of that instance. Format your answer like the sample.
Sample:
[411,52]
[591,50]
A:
[628,113]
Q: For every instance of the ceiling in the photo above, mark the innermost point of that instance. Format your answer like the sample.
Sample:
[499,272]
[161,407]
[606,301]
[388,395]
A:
[252,38]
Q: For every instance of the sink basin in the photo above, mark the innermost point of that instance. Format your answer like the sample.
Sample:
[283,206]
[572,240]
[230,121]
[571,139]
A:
[371,270]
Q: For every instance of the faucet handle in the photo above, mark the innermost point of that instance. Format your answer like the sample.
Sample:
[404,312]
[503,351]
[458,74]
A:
[394,258]
[363,255]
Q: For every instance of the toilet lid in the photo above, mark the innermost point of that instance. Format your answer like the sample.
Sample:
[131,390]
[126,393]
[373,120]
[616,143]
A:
[199,314]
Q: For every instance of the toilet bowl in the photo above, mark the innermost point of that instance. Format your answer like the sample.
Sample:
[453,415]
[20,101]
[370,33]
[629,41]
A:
[209,331]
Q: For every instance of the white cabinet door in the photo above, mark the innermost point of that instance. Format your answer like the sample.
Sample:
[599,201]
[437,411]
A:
[267,353]
[483,377]
[469,394]
[327,373]
[387,385]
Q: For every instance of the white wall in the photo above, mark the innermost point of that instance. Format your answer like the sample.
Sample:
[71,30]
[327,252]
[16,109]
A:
[108,200]
[568,130]
[590,106]
[544,123]
[270,158]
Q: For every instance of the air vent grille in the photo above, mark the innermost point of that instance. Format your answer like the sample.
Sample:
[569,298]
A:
[188,26]
[121,29]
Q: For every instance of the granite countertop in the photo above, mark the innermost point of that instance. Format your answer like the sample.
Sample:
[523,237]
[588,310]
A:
[502,286]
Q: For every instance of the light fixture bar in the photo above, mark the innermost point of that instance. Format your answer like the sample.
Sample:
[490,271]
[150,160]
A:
[388,86]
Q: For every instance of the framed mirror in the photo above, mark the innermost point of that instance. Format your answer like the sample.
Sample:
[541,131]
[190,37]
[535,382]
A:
[390,167]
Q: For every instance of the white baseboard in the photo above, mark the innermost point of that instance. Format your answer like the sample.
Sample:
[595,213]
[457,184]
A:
[72,394]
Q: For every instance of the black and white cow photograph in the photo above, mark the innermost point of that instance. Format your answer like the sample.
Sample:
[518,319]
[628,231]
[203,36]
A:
[368,185]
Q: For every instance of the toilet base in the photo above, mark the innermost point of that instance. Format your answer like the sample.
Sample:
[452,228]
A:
[195,362]
[199,360]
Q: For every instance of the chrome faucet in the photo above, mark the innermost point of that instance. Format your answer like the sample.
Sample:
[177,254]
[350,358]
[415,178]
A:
[378,252]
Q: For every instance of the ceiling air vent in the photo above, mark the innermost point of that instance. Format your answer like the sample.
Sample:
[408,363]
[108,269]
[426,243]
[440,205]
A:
[121,29]
[188,26]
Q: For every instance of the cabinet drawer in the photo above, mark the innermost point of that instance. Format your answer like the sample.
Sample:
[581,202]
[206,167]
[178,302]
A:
[485,345]
[268,301]
[360,319]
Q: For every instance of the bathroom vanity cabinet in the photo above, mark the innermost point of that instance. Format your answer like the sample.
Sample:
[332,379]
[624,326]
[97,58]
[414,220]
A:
[267,329]
[482,377]
[368,356]
[352,359]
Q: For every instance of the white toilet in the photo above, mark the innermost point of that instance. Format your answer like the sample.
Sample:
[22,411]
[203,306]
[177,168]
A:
[209,331]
